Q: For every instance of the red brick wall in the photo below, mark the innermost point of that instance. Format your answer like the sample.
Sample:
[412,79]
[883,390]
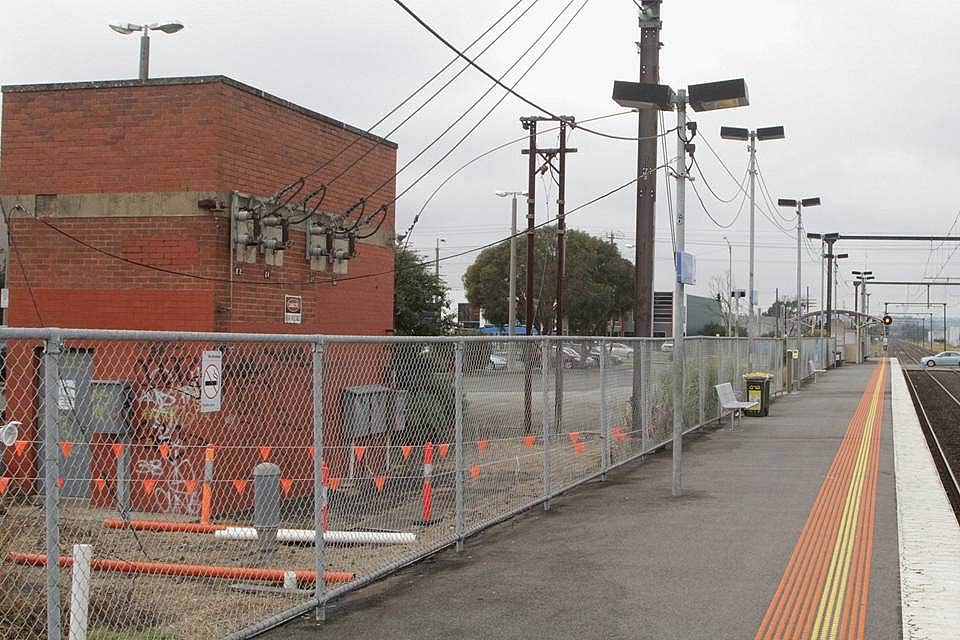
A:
[131,139]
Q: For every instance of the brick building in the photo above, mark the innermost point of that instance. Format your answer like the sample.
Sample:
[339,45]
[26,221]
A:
[146,205]
[124,167]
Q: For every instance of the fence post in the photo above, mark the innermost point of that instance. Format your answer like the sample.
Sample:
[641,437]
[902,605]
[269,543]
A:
[458,441]
[51,492]
[702,382]
[544,366]
[604,426]
[319,501]
[645,372]
[80,591]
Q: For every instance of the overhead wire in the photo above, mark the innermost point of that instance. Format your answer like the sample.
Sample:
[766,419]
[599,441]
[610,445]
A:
[368,131]
[383,208]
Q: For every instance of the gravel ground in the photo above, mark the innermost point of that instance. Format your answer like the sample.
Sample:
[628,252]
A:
[944,416]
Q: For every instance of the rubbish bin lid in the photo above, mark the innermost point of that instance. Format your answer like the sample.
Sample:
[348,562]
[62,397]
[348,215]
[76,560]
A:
[756,374]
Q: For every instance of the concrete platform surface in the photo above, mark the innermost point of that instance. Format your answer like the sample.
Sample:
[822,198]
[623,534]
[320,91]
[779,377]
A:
[624,559]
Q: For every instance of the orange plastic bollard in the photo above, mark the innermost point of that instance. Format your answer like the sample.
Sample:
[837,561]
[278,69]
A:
[427,483]
[206,495]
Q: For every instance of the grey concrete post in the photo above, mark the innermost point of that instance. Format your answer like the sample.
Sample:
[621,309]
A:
[51,492]
[145,54]
[458,438]
[266,505]
[320,612]
[604,424]
[544,367]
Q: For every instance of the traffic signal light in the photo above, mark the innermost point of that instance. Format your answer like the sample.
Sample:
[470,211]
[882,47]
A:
[887,320]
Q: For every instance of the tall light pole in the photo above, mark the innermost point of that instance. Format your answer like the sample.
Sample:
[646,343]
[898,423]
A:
[512,301]
[751,137]
[126,28]
[799,204]
[860,279]
[700,97]
[729,285]
[436,263]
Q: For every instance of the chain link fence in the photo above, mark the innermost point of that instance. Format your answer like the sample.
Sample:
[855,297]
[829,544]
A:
[213,485]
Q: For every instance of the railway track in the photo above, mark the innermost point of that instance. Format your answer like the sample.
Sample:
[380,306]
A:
[931,410]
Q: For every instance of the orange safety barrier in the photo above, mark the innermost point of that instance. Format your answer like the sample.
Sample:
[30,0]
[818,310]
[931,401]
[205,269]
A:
[206,494]
[185,570]
[167,526]
[427,482]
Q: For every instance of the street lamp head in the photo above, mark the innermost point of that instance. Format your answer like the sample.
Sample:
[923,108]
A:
[635,95]
[171,26]
[502,194]
[840,256]
[810,202]
[124,28]
[734,133]
[770,133]
[725,94]
[786,202]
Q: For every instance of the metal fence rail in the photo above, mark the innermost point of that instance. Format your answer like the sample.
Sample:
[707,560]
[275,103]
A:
[202,485]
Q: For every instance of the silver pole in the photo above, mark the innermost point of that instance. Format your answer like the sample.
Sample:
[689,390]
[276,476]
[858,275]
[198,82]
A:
[729,283]
[319,499]
[458,442]
[753,181]
[512,303]
[702,381]
[679,311]
[145,53]
[604,426]
[544,358]
[799,242]
[51,492]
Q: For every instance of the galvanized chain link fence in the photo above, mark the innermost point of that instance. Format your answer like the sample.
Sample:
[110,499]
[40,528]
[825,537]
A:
[174,485]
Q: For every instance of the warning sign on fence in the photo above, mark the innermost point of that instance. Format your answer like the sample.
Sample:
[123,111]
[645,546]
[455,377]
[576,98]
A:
[211,381]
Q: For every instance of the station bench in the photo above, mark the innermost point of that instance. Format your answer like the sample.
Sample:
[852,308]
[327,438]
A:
[728,402]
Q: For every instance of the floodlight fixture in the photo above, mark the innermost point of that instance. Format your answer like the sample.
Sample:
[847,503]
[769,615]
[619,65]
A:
[127,28]
[786,202]
[734,133]
[725,94]
[168,27]
[770,133]
[810,202]
[840,256]
[636,95]
[124,28]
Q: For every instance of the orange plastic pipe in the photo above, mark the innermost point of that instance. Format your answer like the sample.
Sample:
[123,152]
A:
[164,525]
[185,570]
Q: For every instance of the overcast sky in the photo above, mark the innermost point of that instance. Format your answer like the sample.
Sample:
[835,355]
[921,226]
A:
[867,92]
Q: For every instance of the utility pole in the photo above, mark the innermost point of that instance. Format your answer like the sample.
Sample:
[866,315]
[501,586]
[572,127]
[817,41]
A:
[829,242]
[646,217]
[530,124]
[729,283]
[650,25]
[750,286]
[561,261]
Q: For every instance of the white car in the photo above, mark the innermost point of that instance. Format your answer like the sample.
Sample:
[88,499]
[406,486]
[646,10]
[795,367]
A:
[942,359]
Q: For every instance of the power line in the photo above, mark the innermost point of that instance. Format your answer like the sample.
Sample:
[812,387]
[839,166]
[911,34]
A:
[383,208]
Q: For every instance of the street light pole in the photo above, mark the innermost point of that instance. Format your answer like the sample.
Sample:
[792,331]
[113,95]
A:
[729,284]
[799,204]
[127,28]
[437,255]
[679,302]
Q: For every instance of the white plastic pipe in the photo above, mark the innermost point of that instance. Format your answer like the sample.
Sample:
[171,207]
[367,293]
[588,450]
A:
[80,591]
[330,537]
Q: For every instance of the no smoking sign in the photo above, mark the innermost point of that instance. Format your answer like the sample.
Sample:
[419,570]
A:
[211,381]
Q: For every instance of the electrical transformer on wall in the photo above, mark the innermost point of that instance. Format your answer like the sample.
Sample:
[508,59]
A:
[328,247]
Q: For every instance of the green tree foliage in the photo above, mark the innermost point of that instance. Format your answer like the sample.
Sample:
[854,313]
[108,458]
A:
[419,297]
[599,282]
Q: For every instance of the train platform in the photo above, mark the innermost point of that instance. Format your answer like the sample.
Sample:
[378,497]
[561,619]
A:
[788,528]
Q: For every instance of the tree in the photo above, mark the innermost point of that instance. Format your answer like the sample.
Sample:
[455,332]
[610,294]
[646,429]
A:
[599,282]
[419,297]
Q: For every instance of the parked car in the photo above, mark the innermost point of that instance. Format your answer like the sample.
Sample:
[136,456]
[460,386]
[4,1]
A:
[573,359]
[942,359]
[498,361]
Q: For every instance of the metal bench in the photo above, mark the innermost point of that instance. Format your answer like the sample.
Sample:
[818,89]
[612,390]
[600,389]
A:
[815,371]
[729,402]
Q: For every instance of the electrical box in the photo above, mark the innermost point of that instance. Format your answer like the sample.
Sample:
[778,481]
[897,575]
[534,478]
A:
[108,410]
[365,410]
[372,409]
